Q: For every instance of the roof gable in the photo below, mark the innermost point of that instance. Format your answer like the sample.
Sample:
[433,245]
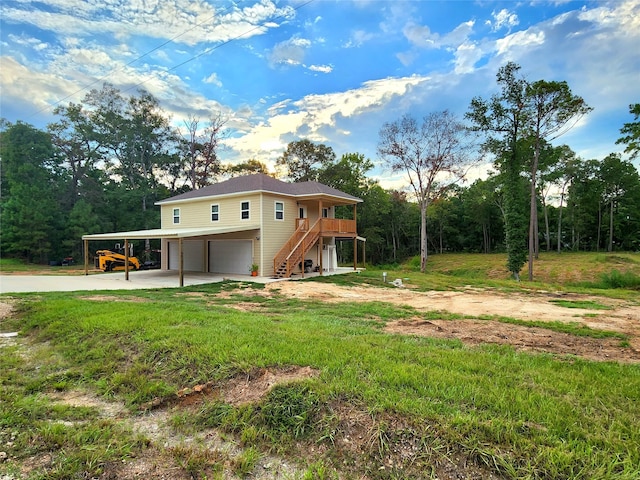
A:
[260,182]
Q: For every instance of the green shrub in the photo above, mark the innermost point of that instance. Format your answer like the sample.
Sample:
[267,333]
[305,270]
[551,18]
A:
[616,279]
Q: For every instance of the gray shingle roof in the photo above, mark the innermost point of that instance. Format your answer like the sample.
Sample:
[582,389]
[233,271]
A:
[260,182]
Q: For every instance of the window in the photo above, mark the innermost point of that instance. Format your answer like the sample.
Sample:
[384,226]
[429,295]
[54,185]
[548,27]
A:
[279,211]
[325,213]
[244,210]
[176,215]
[215,213]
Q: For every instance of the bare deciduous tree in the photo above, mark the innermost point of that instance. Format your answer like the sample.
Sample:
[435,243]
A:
[202,161]
[439,147]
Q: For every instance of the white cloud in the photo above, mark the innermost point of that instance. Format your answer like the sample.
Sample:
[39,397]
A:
[504,19]
[33,91]
[29,42]
[524,39]
[458,35]
[422,36]
[289,52]
[467,55]
[213,79]
[189,22]
[321,68]
[316,114]
[358,38]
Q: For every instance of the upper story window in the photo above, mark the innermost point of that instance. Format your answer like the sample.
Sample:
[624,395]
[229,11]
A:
[244,210]
[325,213]
[279,211]
[176,215]
[215,213]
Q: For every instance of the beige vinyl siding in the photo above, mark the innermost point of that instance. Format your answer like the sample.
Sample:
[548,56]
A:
[276,232]
[198,212]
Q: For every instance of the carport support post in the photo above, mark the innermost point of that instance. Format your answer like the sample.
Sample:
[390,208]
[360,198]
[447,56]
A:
[355,239]
[180,262]
[86,257]
[126,259]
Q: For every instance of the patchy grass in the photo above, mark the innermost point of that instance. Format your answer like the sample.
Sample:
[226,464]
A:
[586,304]
[574,328]
[412,404]
[612,275]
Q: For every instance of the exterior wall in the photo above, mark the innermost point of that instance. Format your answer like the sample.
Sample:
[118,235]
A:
[275,232]
[267,241]
[197,213]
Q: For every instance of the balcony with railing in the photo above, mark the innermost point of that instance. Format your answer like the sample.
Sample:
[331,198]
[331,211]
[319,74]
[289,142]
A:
[330,227]
[305,237]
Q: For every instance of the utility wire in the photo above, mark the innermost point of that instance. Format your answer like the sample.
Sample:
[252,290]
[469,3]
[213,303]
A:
[226,42]
[100,79]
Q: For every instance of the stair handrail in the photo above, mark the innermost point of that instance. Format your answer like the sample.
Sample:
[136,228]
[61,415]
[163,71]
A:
[295,252]
[315,228]
[280,257]
[299,250]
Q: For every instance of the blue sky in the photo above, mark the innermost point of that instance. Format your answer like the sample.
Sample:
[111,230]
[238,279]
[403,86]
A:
[329,71]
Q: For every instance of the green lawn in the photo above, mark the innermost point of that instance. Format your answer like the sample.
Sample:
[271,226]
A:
[382,406]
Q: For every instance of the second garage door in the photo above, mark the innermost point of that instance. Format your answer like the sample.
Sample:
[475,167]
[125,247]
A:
[193,257]
[230,256]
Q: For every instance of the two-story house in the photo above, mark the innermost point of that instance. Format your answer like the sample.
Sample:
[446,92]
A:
[251,220]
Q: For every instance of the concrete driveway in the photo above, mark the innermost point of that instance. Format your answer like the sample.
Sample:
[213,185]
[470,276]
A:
[112,281]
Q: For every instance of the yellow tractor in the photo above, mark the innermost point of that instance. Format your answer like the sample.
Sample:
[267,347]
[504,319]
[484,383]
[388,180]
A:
[109,261]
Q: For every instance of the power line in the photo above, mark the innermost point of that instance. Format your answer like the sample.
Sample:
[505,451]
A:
[100,79]
[226,42]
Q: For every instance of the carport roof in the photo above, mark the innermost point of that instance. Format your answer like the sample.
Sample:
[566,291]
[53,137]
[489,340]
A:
[167,233]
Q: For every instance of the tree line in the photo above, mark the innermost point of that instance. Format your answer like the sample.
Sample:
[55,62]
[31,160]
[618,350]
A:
[104,162]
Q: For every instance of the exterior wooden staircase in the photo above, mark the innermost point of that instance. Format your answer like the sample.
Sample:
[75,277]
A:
[294,250]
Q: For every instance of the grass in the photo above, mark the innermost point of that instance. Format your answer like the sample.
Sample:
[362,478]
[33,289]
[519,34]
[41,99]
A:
[420,402]
[587,304]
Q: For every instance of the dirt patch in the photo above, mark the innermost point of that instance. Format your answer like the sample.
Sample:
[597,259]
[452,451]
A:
[247,388]
[6,309]
[169,451]
[77,398]
[538,306]
[253,387]
[7,338]
[113,298]
[475,332]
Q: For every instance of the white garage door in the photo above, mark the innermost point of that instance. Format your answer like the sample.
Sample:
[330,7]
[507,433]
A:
[193,255]
[230,256]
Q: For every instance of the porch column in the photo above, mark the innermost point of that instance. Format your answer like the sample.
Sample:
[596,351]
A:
[364,254]
[126,259]
[355,239]
[180,262]
[86,256]
[355,253]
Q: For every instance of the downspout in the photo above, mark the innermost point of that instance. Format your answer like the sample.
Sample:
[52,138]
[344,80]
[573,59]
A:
[261,260]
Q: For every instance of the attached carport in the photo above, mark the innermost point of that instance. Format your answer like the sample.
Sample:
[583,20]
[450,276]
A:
[174,236]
